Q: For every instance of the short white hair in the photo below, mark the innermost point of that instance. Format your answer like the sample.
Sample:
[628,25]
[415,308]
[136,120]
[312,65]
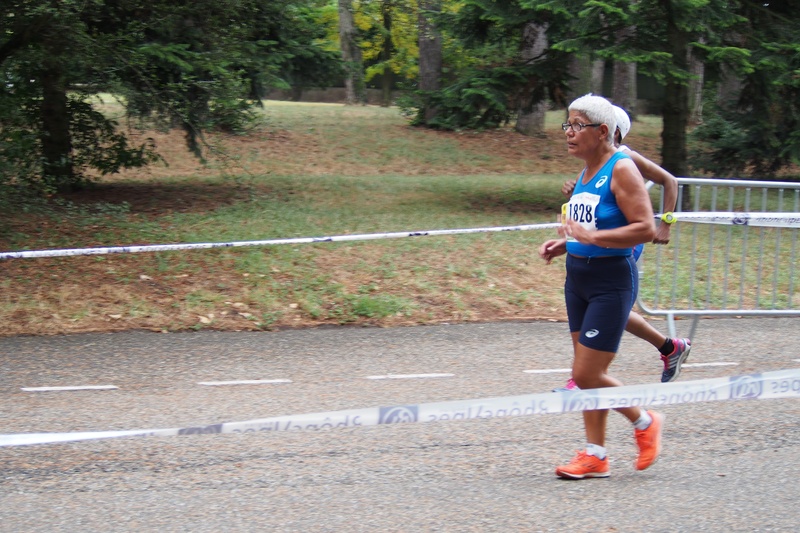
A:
[598,110]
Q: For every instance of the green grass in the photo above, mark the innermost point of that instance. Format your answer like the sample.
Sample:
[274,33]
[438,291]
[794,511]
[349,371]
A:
[374,280]
[343,170]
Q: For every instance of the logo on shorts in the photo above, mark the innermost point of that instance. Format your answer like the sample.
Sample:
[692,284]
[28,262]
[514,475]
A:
[602,181]
[398,414]
[592,333]
[746,387]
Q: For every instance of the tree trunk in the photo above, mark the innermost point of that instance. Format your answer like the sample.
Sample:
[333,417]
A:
[56,138]
[697,68]
[673,151]
[623,92]
[730,88]
[386,56]
[256,91]
[354,86]
[580,68]
[430,55]
[676,104]
[533,106]
[598,73]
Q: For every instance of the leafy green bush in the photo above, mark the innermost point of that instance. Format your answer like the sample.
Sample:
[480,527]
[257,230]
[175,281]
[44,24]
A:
[733,143]
[759,134]
[477,100]
[97,144]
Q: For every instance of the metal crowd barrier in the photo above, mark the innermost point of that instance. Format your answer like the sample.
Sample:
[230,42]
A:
[730,270]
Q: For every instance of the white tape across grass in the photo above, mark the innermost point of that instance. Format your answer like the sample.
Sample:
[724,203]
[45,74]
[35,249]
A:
[768,385]
[765,219]
[132,249]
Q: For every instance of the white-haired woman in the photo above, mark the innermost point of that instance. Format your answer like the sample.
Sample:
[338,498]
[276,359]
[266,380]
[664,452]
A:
[607,215]
[673,351]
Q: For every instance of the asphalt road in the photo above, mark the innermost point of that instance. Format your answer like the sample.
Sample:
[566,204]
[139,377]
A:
[726,465]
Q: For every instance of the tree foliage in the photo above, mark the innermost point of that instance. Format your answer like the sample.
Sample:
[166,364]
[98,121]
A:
[756,40]
[196,65]
[387,39]
[402,35]
[487,80]
[759,132]
[48,55]
[664,34]
[204,64]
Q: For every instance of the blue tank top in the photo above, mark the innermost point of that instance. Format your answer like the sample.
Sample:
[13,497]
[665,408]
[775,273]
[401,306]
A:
[595,207]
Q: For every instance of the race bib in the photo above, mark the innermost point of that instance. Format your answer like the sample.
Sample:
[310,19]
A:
[582,208]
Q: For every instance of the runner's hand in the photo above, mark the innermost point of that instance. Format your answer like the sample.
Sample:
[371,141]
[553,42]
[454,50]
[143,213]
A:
[552,248]
[662,234]
[568,187]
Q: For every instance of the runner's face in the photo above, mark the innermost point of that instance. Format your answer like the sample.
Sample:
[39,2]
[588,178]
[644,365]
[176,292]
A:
[584,142]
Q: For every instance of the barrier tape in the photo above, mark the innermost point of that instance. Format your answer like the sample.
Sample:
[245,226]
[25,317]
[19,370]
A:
[766,220]
[299,240]
[776,220]
[767,385]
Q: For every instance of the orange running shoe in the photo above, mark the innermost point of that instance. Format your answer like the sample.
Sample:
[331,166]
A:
[582,466]
[649,441]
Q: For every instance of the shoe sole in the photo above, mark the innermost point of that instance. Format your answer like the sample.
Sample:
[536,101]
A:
[682,359]
[589,475]
[658,449]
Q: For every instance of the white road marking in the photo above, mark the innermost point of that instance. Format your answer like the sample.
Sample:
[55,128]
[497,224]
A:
[410,376]
[76,387]
[690,365]
[386,376]
[244,382]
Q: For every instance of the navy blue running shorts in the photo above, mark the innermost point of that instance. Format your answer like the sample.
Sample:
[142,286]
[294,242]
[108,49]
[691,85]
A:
[599,293]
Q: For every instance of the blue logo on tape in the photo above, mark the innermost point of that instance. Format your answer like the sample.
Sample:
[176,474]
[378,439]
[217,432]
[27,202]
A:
[579,400]
[398,414]
[740,219]
[203,430]
[746,387]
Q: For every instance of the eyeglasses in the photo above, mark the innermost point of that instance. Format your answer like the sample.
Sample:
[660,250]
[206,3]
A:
[577,126]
